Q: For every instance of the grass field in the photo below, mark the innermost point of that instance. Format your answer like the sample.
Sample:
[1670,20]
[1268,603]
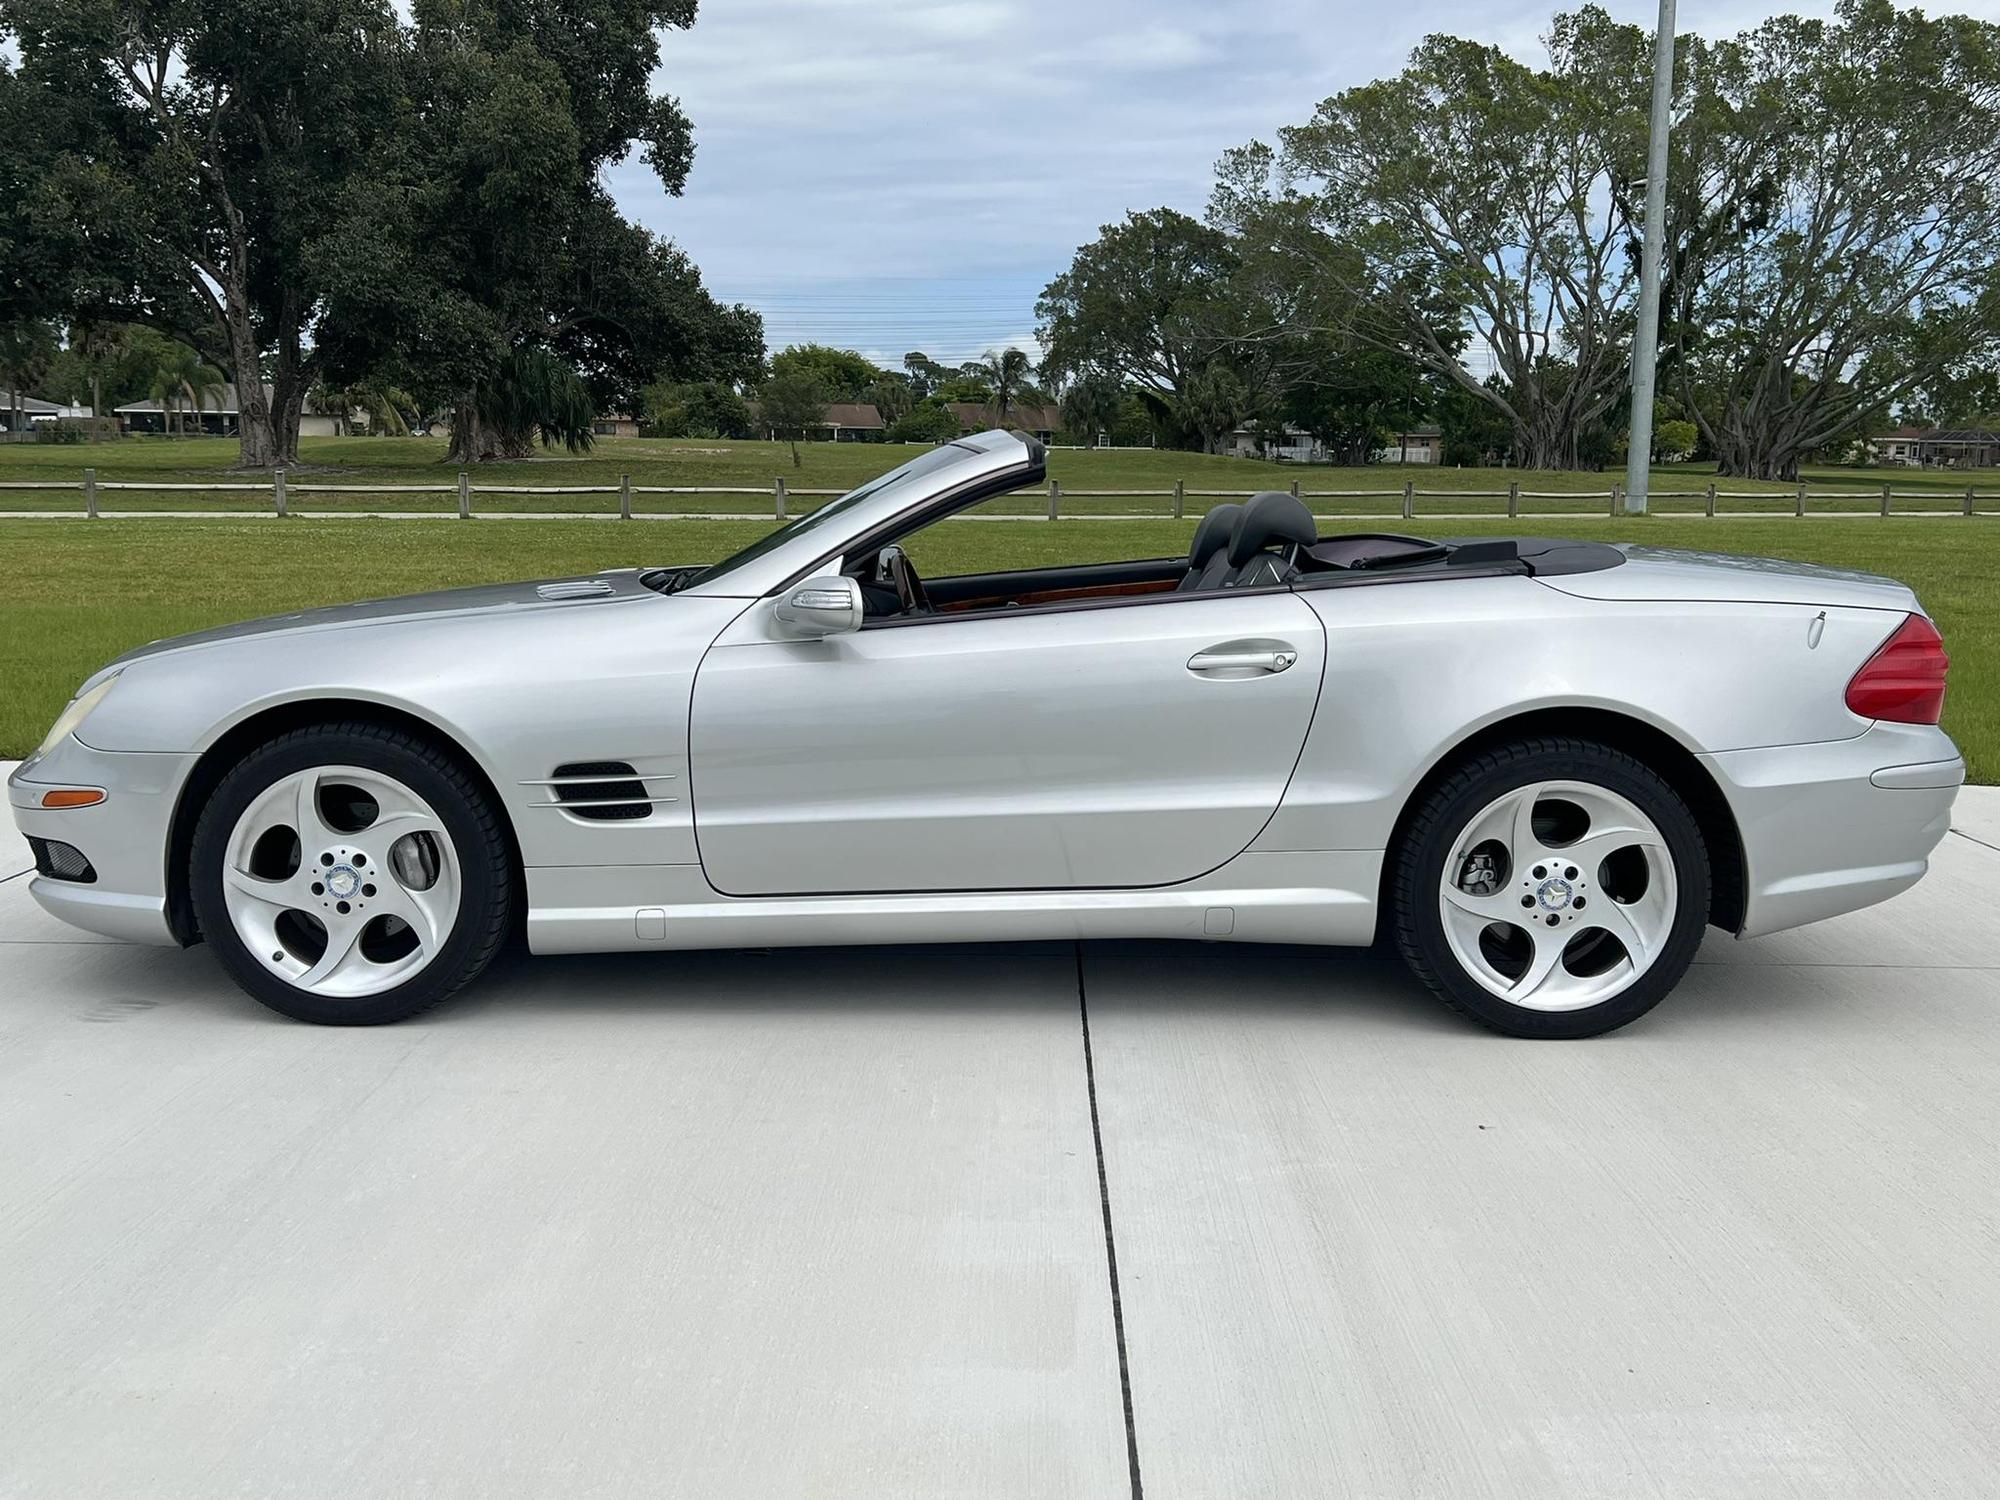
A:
[351,462]
[73,594]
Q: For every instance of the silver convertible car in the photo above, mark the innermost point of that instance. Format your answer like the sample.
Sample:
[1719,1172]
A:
[1540,768]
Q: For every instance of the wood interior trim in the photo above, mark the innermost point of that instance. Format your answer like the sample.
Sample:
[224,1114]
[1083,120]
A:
[1058,596]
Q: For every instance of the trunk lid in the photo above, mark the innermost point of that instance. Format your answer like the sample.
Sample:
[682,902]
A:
[1660,573]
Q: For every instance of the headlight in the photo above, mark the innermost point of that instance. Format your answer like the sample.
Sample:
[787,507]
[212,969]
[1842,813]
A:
[73,716]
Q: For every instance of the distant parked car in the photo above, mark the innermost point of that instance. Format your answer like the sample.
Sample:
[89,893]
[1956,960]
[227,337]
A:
[1542,767]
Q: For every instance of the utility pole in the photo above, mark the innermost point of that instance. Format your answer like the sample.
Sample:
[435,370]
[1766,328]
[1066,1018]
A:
[1646,338]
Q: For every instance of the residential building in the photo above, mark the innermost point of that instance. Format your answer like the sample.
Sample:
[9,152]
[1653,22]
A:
[1938,447]
[221,416]
[1419,445]
[36,412]
[1041,422]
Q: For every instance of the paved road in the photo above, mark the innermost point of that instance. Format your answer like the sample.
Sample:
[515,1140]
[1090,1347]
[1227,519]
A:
[831,1223]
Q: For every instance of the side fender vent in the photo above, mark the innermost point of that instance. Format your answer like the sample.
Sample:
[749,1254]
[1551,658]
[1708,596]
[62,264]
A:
[605,791]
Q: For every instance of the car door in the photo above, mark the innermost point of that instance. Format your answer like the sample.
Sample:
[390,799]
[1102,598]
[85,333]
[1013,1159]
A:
[1109,745]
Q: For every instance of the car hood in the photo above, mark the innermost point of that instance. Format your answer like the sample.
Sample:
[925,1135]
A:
[589,591]
[1660,573]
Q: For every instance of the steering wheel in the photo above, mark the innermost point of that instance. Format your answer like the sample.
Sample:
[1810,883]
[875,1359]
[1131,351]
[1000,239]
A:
[892,565]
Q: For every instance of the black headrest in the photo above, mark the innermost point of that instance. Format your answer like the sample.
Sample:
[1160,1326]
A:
[1271,517]
[1212,534]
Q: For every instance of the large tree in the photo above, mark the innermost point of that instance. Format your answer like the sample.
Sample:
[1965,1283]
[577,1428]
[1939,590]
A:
[485,258]
[180,162]
[1836,227]
[1148,302]
[1496,188]
[842,375]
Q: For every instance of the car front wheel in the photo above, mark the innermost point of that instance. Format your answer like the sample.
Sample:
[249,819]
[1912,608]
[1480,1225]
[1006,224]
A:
[1552,888]
[351,874]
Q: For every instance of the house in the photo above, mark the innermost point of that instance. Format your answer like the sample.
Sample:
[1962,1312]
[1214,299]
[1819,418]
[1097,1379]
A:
[842,422]
[1898,447]
[614,424]
[221,416]
[1419,445]
[1938,447]
[1290,445]
[1041,422]
[36,412]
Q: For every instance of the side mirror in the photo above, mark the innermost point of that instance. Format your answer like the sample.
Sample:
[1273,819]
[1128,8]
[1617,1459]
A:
[820,607]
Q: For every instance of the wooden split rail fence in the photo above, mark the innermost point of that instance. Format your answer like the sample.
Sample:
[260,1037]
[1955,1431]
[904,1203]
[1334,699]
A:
[282,489]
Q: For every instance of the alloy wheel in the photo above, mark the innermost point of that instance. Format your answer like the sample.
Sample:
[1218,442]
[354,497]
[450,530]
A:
[342,880]
[1558,895]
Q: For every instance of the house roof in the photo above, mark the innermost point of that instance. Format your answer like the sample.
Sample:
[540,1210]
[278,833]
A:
[1960,435]
[852,414]
[976,416]
[218,401]
[32,405]
[1903,433]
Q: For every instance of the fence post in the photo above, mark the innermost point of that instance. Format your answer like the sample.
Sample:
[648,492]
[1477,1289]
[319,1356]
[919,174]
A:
[624,497]
[1968,499]
[1055,500]
[1885,499]
[1409,499]
[1513,498]
[1799,508]
[278,491]
[1295,489]
[1711,499]
[778,498]
[1180,499]
[90,495]
[1617,495]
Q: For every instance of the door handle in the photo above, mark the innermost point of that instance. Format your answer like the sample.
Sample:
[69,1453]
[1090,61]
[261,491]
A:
[1241,661]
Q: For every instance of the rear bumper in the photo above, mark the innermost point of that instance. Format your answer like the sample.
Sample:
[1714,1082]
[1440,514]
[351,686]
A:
[124,837]
[1833,827]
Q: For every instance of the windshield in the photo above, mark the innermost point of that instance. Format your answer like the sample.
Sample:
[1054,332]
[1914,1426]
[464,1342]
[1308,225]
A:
[923,465]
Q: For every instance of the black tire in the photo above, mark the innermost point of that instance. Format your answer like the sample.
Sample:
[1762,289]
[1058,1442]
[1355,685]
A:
[1417,870]
[487,886]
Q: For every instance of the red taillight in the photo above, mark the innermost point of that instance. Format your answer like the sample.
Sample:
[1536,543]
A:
[1904,680]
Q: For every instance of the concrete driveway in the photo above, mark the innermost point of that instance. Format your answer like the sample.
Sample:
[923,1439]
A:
[843,1223]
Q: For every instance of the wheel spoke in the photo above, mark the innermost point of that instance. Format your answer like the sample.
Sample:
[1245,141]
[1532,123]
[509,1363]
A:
[1522,845]
[273,896]
[419,910]
[1547,959]
[342,956]
[1608,916]
[313,833]
[1499,907]
[388,828]
[1589,852]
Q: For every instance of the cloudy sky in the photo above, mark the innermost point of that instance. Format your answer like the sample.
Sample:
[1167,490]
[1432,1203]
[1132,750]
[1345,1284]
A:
[899,174]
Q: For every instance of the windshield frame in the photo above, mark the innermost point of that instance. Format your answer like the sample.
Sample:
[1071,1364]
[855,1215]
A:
[971,468]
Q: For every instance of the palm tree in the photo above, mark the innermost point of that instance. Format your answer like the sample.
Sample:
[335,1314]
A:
[181,375]
[1007,372]
[384,405]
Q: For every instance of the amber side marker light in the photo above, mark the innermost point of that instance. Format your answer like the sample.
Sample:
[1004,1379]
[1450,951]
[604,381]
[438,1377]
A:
[73,797]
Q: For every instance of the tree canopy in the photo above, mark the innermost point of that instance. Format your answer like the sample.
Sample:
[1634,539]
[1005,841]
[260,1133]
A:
[320,191]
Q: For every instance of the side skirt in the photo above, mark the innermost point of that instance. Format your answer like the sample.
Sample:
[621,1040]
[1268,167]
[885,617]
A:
[1324,897]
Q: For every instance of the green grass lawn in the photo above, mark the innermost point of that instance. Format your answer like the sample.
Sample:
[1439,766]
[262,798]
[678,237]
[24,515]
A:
[73,594]
[206,462]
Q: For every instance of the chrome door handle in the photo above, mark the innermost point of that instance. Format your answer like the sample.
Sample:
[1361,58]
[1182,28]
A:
[1241,661]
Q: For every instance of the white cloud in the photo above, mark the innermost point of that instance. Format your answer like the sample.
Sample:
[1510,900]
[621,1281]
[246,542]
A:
[892,176]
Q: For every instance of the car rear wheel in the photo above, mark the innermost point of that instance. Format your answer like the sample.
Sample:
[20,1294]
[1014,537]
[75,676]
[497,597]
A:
[351,874]
[1551,888]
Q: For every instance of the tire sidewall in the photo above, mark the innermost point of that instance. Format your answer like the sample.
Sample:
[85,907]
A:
[1466,793]
[423,772]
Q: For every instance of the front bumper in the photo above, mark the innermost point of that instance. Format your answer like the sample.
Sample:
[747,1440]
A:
[1830,828]
[124,837]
